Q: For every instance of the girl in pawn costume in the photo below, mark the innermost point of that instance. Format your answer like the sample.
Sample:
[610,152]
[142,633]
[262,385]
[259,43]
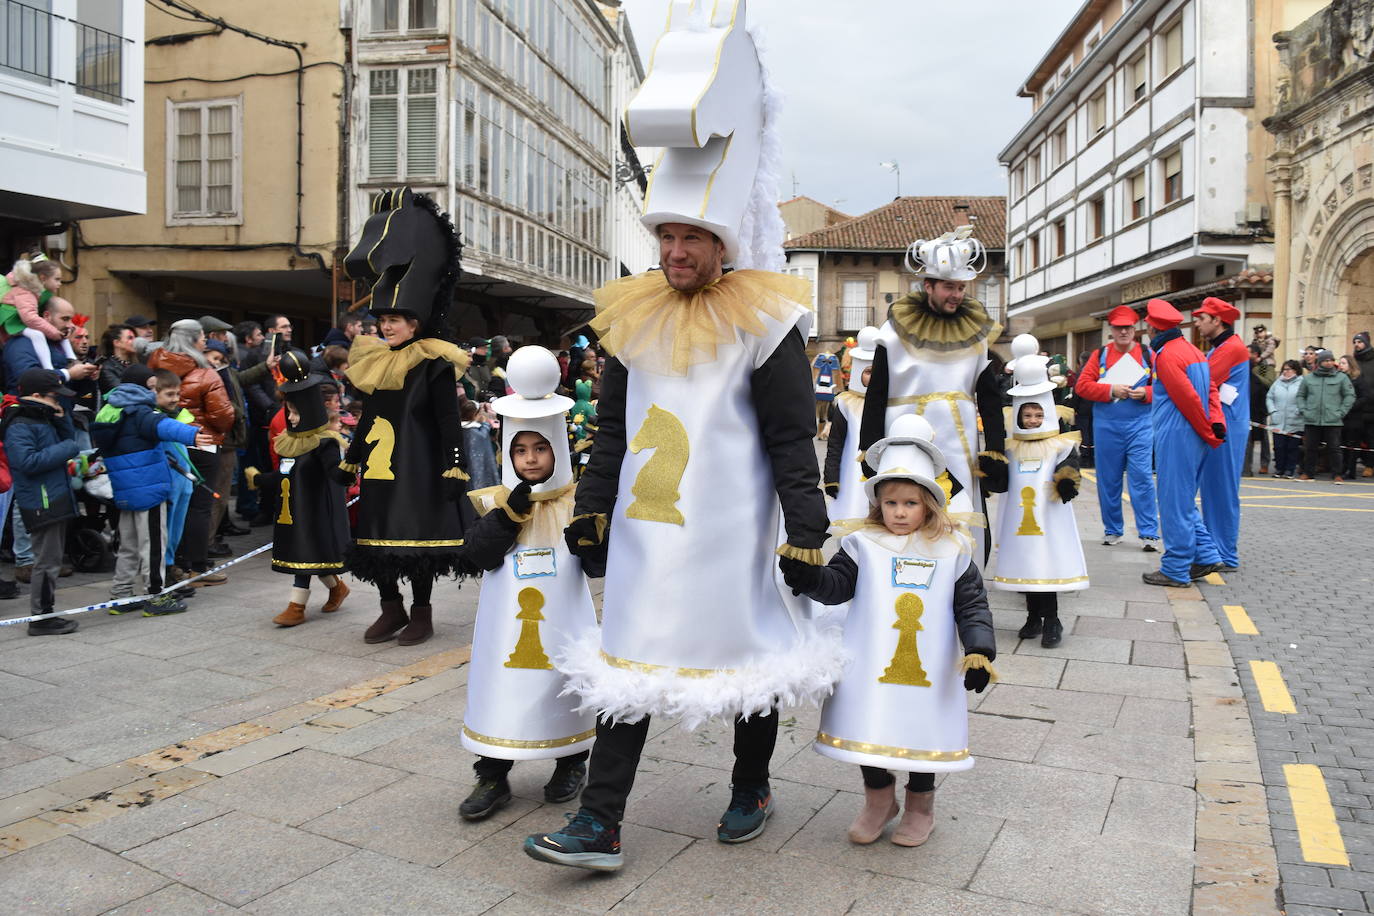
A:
[534,598]
[915,596]
[1038,549]
[311,535]
[843,470]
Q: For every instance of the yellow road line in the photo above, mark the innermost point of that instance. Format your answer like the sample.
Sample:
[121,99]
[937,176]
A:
[1239,620]
[1315,496]
[1293,508]
[1318,832]
[1273,691]
[1214,579]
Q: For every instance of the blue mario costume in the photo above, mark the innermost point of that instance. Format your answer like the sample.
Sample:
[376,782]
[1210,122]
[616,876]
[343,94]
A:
[1229,360]
[1122,436]
[1187,419]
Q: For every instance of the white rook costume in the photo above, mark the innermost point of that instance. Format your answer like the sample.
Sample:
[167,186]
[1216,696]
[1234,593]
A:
[537,601]
[938,364]
[843,471]
[1038,548]
[900,703]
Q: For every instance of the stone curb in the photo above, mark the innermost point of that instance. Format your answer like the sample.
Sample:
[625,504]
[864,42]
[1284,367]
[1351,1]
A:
[1235,868]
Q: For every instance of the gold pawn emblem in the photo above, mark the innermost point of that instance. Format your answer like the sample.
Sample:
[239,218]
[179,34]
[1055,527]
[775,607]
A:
[1028,527]
[529,651]
[906,661]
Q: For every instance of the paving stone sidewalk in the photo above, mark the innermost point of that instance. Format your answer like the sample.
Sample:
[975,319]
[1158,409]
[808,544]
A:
[329,774]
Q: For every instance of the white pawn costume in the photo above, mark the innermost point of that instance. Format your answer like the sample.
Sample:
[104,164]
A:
[1038,547]
[900,703]
[939,366]
[695,624]
[843,470]
[537,601]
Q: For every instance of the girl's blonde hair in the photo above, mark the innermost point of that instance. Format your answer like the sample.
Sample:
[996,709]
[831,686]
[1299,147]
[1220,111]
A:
[938,522]
[29,273]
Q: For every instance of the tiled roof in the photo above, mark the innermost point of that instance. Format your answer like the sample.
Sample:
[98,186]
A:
[896,225]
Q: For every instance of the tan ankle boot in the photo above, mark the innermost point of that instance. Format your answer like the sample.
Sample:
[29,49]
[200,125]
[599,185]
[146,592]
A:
[293,616]
[880,806]
[337,594]
[918,820]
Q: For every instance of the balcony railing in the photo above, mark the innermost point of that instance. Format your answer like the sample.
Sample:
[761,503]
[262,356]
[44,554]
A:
[27,36]
[853,317]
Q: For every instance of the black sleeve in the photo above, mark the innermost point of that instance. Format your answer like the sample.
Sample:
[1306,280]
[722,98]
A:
[838,580]
[834,449]
[443,392]
[971,614]
[357,447]
[596,489]
[988,394]
[785,404]
[487,542]
[874,424]
[1071,461]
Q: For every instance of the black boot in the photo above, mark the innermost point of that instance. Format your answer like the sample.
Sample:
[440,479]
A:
[1054,632]
[485,799]
[566,781]
[1031,628]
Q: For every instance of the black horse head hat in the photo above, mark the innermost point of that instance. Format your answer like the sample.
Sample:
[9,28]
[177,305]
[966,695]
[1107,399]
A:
[411,252]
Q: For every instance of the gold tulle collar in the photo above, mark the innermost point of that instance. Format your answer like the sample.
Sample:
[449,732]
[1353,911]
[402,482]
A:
[294,445]
[643,319]
[969,329]
[374,366]
[550,512]
[897,543]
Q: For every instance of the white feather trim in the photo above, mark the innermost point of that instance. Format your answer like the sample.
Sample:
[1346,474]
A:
[761,230]
[804,674]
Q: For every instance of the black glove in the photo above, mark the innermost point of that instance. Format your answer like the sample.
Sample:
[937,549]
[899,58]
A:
[519,498]
[831,489]
[1219,430]
[976,679]
[592,553]
[1067,488]
[340,475]
[995,474]
[802,578]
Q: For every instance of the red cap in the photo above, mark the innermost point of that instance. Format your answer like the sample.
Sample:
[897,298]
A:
[1122,315]
[1220,309]
[1161,316]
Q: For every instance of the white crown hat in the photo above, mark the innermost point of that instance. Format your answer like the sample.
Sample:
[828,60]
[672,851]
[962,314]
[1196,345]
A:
[908,452]
[861,357]
[703,101]
[1031,376]
[1033,386]
[533,372]
[1023,345]
[956,255]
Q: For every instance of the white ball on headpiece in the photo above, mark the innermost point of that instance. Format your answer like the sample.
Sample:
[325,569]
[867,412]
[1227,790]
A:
[1024,345]
[533,373]
[866,344]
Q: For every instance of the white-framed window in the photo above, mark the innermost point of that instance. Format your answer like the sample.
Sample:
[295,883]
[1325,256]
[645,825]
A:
[1035,251]
[1137,78]
[205,162]
[1171,175]
[402,123]
[1097,112]
[1033,170]
[1171,48]
[1061,237]
[1018,181]
[1097,218]
[403,15]
[1018,262]
[1059,147]
[1135,196]
[854,305]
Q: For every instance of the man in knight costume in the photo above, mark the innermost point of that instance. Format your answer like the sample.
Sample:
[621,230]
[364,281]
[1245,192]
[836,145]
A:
[932,354]
[704,445]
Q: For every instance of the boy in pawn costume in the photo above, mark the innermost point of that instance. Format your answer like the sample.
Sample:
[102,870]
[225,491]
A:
[704,448]
[843,474]
[932,356]
[409,442]
[915,596]
[1039,552]
[534,598]
[311,534]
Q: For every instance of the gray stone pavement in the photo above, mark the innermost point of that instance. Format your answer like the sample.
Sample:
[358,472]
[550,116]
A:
[211,762]
[1306,581]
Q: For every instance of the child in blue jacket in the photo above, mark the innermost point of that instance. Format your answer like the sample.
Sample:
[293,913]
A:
[129,431]
[40,440]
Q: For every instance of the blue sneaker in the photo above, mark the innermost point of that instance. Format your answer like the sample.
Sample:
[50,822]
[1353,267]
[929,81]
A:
[750,807]
[584,843]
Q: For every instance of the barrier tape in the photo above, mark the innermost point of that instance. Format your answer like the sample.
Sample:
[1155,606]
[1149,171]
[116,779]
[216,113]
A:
[120,602]
[1299,436]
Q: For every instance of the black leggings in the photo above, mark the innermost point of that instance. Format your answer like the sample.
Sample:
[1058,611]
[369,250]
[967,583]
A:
[1043,604]
[195,536]
[303,581]
[878,778]
[497,768]
[420,590]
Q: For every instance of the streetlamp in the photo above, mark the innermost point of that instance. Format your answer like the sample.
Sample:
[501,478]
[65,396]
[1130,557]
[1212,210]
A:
[894,167]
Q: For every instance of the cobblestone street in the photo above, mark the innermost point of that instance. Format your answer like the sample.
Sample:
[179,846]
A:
[212,762]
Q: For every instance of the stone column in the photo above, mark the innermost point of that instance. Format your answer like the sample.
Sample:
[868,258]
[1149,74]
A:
[1280,174]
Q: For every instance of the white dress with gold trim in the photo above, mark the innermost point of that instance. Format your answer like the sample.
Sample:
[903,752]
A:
[1038,547]
[529,610]
[900,702]
[850,501]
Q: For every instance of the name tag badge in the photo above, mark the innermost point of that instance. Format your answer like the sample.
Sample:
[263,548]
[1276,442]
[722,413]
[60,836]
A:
[1029,465]
[912,572]
[535,564]
[285,466]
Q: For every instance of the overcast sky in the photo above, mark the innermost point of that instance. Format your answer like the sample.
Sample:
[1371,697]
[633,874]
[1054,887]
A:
[929,84]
